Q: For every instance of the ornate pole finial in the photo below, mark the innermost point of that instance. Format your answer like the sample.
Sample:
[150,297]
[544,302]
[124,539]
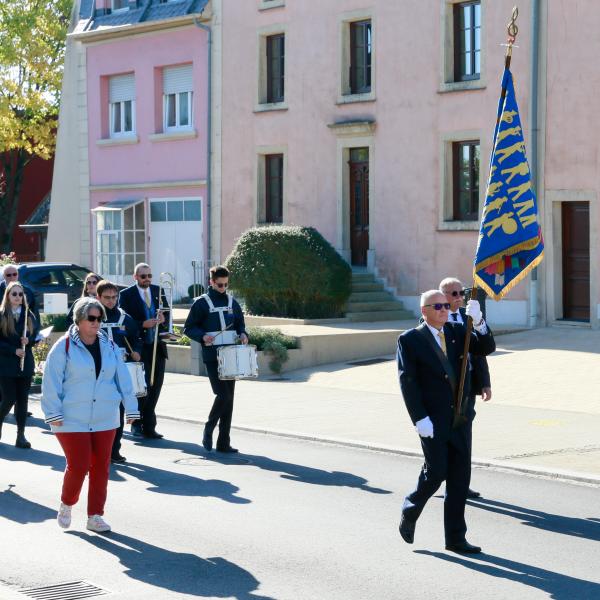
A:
[512,31]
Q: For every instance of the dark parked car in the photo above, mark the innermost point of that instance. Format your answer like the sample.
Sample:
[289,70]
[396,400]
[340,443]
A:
[53,278]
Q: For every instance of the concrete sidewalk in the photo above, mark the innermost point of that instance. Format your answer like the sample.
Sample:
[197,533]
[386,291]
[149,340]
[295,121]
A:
[544,415]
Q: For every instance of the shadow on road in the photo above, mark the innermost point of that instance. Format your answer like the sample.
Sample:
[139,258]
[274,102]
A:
[581,528]
[178,484]
[555,585]
[180,572]
[35,457]
[20,510]
[304,474]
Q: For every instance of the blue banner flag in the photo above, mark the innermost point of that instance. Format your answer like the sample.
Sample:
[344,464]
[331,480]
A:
[510,236]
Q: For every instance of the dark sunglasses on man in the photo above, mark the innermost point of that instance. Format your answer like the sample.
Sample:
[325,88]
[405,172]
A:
[439,305]
[15,274]
[221,285]
[145,276]
[456,293]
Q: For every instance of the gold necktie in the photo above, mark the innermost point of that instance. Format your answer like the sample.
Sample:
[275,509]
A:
[147,297]
[443,341]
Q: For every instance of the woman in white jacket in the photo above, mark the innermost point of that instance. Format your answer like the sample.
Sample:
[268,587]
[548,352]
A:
[84,382]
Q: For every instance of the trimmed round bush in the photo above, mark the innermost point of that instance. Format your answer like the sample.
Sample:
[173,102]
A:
[289,271]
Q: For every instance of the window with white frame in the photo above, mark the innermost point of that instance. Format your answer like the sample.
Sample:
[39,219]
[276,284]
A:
[120,5]
[177,98]
[120,239]
[121,91]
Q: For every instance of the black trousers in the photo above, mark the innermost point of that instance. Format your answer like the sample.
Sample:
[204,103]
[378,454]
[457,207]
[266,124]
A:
[119,431]
[147,404]
[446,459]
[222,408]
[15,391]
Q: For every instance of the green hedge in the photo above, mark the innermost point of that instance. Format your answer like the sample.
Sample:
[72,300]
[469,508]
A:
[263,337]
[289,271]
[59,322]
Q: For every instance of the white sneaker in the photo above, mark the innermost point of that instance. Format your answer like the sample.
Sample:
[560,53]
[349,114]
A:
[98,524]
[64,516]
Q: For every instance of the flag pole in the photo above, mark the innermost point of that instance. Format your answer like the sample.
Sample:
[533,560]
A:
[459,418]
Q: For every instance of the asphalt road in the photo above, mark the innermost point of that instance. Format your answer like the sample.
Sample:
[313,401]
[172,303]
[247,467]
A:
[288,520]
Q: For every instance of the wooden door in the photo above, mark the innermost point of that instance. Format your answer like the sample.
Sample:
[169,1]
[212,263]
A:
[359,205]
[576,260]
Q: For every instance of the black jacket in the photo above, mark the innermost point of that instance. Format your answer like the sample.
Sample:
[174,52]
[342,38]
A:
[428,380]
[200,320]
[9,361]
[131,302]
[480,375]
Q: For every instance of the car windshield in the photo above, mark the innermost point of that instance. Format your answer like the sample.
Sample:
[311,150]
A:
[75,277]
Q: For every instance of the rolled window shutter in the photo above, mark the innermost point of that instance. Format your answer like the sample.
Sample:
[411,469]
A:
[122,87]
[177,79]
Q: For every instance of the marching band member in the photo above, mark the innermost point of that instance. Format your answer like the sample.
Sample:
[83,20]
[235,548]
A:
[214,316]
[124,332]
[17,338]
[88,291]
[142,303]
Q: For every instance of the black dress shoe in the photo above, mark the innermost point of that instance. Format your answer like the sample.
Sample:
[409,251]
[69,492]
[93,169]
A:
[473,494]
[463,548]
[407,529]
[207,442]
[228,450]
[117,458]
[22,441]
[153,435]
[136,430]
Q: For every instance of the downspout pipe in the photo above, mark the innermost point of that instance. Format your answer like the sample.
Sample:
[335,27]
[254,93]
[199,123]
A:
[534,128]
[208,141]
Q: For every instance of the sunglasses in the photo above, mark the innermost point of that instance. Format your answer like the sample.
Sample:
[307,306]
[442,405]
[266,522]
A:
[145,276]
[221,285]
[455,293]
[439,305]
[17,294]
[94,318]
[92,282]
[11,274]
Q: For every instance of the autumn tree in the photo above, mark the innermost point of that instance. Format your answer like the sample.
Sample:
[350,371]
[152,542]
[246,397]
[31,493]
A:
[32,46]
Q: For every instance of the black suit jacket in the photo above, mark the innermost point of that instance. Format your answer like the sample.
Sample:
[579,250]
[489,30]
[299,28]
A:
[131,302]
[428,380]
[480,375]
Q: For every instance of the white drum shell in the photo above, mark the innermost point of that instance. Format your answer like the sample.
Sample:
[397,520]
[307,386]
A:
[138,378]
[237,362]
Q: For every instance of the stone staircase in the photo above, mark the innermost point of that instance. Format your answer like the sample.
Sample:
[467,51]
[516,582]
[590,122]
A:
[369,301]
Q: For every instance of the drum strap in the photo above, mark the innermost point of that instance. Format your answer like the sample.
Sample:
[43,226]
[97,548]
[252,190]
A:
[221,309]
[109,326]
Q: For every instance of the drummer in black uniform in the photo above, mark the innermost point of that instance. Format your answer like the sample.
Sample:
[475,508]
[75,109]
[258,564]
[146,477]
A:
[214,320]
[124,332]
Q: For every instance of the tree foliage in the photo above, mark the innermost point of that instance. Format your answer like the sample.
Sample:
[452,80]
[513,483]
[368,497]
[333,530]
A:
[32,46]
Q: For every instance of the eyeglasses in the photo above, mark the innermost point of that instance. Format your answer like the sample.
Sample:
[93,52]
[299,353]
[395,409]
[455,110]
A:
[221,285]
[15,294]
[456,293]
[92,282]
[145,276]
[103,297]
[439,305]
[15,274]
[94,318]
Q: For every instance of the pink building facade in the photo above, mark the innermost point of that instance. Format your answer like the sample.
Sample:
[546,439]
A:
[142,108]
[372,121]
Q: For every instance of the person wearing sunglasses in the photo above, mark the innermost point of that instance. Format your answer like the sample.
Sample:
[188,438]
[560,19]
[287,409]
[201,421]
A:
[85,381]
[124,332]
[16,358]
[479,370]
[140,301]
[87,291]
[212,320]
[10,274]
[429,361]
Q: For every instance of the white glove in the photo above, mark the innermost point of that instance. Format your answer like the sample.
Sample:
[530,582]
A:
[473,310]
[424,427]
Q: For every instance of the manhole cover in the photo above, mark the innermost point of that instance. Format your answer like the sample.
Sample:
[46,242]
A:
[206,461]
[64,591]
[369,361]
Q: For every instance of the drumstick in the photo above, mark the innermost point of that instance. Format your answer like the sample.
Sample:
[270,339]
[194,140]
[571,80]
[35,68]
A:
[128,345]
[222,331]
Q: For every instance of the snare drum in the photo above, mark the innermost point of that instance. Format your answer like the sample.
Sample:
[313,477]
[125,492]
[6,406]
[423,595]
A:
[223,338]
[138,378]
[237,362]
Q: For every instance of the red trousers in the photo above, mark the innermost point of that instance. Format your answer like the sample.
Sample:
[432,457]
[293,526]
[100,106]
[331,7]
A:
[86,452]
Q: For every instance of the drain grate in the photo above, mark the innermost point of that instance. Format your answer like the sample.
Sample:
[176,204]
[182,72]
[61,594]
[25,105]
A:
[65,591]
[369,361]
